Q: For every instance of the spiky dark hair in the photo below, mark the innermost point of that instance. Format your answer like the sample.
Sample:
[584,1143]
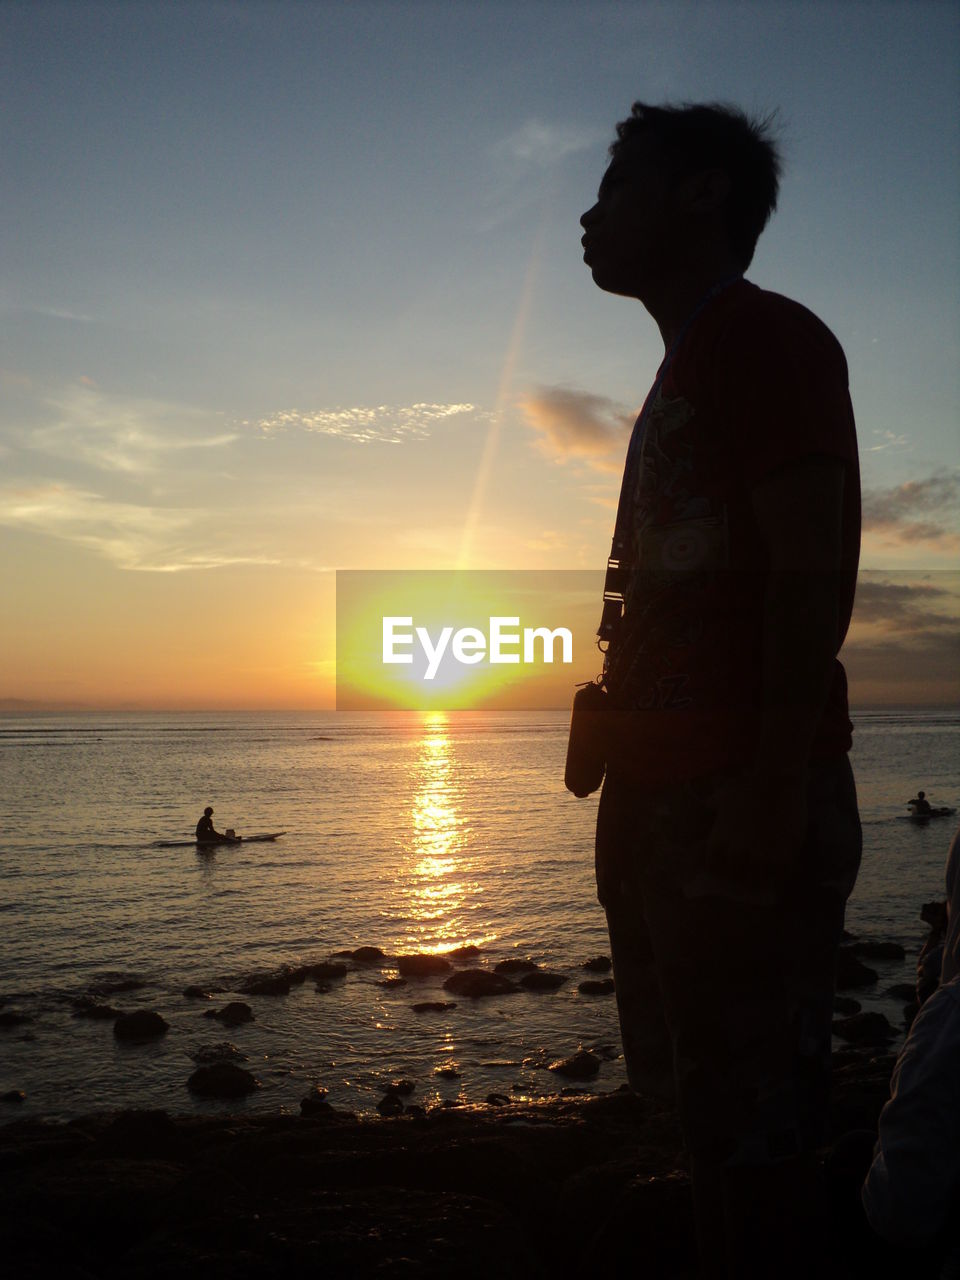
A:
[695,136]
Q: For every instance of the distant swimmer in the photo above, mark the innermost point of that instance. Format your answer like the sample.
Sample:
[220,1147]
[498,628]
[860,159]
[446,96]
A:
[207,833]
[920,804]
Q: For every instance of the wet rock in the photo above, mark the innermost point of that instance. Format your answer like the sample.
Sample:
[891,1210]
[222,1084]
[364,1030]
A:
[540,981]
[415,1109]
[515,966]
[392,982]
[469,952]
[315,1102]
[401,1088]
[422,966]
[599,964]
[477,983]
[846,1005]
[368,955]
[114,986]
[902,991]
[497,1100]
[13,1018]
[851,972]
[323,969]
[864,1028]
[582,1065]
[596,986]
[233,1014]
[433,1006]
[222,1080]
[14,1096]
[222,1052]
[87,1007]
[879,950]
[319,969]
[447,1073]
[143,1024]
[267,984]
[390,1105]
[194,992]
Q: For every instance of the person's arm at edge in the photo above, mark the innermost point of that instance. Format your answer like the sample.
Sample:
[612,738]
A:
[915,1176]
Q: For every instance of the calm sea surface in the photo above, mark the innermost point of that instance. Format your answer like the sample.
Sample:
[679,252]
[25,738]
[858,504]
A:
[409,834]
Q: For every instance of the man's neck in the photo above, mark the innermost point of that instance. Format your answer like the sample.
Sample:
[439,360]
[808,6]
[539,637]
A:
[673,301]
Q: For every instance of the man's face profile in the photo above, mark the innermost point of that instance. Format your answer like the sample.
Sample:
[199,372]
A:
[628,232]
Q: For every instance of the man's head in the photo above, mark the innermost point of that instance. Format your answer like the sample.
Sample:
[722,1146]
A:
[208,812]
[682,181]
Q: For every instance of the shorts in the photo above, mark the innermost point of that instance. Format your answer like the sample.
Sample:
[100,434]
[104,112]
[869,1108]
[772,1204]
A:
[735,993]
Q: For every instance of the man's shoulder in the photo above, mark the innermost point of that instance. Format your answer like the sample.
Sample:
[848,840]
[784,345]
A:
[766,313]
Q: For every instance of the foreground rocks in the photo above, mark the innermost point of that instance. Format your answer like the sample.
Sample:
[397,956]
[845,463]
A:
[513,1189]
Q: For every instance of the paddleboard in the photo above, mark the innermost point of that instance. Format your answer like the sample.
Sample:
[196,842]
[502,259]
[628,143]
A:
[207,844]
[925,817]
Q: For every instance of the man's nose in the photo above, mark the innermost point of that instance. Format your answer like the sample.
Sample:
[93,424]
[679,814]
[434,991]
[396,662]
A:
[588,217]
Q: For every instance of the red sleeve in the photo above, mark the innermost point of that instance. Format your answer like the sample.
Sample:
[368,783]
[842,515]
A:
[782,387]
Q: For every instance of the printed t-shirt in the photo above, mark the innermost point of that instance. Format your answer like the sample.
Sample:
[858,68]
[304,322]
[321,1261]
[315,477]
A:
[757,383]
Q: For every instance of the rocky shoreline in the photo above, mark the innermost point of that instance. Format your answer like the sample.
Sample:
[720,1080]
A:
[570,1184]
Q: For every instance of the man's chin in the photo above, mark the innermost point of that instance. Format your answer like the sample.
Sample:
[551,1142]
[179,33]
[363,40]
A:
[610,282]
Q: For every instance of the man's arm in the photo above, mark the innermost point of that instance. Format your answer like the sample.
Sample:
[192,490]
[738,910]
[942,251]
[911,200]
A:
[798,510]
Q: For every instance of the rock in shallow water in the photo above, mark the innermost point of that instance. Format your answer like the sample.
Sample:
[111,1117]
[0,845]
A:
[266,984]
[846,1005]
[515,966]
[233,1014]
[143,1024]
[851,973]
[583,1065]
[222,1080]
[540,981]
[596,986]
[433,1006]
[14,1096]
[422,966]
[864,1028]
[599,964]
[315,1102]
[477,983]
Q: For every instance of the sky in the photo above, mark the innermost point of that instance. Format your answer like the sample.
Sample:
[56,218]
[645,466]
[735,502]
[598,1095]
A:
[287,288]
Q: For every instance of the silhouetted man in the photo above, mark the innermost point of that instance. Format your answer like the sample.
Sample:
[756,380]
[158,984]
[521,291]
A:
[206,832]
[920,804]
[729,594]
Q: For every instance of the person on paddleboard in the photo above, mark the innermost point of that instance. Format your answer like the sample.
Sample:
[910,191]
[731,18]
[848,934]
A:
[919,804]
[206,832]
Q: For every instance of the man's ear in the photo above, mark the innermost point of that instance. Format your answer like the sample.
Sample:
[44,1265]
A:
[704,191]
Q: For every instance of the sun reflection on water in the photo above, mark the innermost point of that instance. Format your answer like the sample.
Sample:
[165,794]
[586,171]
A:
[439,897]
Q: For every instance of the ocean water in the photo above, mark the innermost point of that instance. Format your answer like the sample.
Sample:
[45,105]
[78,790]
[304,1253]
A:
[409,833]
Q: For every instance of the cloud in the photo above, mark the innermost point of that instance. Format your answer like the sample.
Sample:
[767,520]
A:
[383,423]
[131,536]
[888,440]
[543,145]
[130,435]
[905,639]
[916,511]
[912,607]
[572,423]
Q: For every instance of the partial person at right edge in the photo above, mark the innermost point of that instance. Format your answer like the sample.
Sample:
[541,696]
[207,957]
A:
[911,1195]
